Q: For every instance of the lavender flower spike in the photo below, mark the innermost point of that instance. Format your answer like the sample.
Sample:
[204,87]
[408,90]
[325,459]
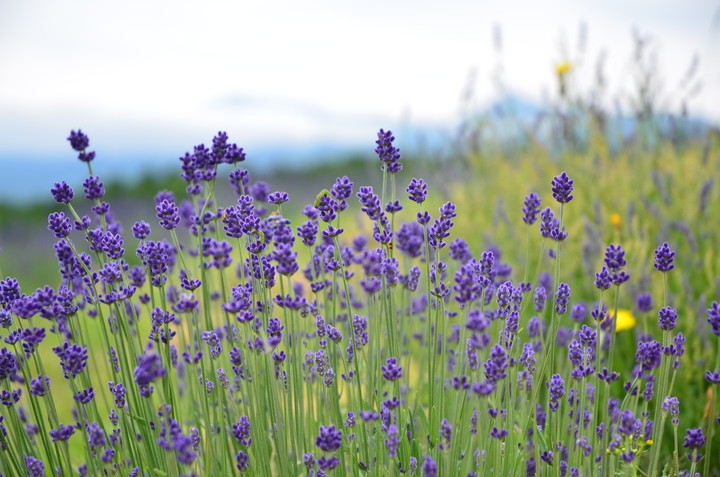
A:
[664,258]
[531,209]
[329,439]
[562,187]
[713,314]
[388,154]
[417,190]
[78,140]
[62,193]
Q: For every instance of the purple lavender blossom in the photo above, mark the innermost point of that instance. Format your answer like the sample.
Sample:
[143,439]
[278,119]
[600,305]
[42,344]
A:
[35,467]
[496,365]
[694,439]
[167,212]
[649,355]
[342,190]
[118,391]
[78,140]
[531,208]
[393,441]
[615,257]
[93,188]
[391,370]
[629,424]
[578,312]
[429,468]
[388,154]
[141,230]
[417,190]
[40,385]
[329,439]
[713,318]
[242,459]
[149,369]
[62,193]
[241,431]
[562,187]
[540,298]
[603,279]
[62,433]
[664,258]
[557,391]
[562,297]
[644,302]
[73,358]
[278,198]
[59,225]
[671,405]
[84,396]
[668,318]
[370,202]
[547,222]
[308,232]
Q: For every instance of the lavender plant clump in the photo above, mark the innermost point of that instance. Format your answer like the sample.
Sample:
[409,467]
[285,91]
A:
[241,340]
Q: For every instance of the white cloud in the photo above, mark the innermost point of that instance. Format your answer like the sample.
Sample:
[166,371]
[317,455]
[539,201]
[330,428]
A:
[158,71]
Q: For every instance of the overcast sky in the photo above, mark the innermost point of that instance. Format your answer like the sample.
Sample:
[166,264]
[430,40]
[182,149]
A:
[160,76]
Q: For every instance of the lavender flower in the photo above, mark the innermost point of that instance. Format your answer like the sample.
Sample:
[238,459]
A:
[547,222]
[671,405]
[242,461]
[713,314]
[694,439]
[615,257]
[149,369]
[391,370]
[557,390]
[578,312]
[429,468]
[329,439]
[664,258]
[496,365]
[644,302]
[73,358]
[629,424]
[417,190]
[562,187]
[141,230]
[388,154]
[531,208]
[615,261]
[62,193]
[562,297]
[241,431]
[603,279]
[59,225]
[93,188]
[35,467]
[62,433]
[393,441]
[78,140]
[278,198]
[540,297]
[668,318]
[167,212]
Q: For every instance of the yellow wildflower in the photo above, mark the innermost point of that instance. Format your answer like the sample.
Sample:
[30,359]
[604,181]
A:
[561,69]
[625,320]
[615,220]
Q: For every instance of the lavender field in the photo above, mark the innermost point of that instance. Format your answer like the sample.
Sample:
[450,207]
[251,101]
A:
[531,313]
